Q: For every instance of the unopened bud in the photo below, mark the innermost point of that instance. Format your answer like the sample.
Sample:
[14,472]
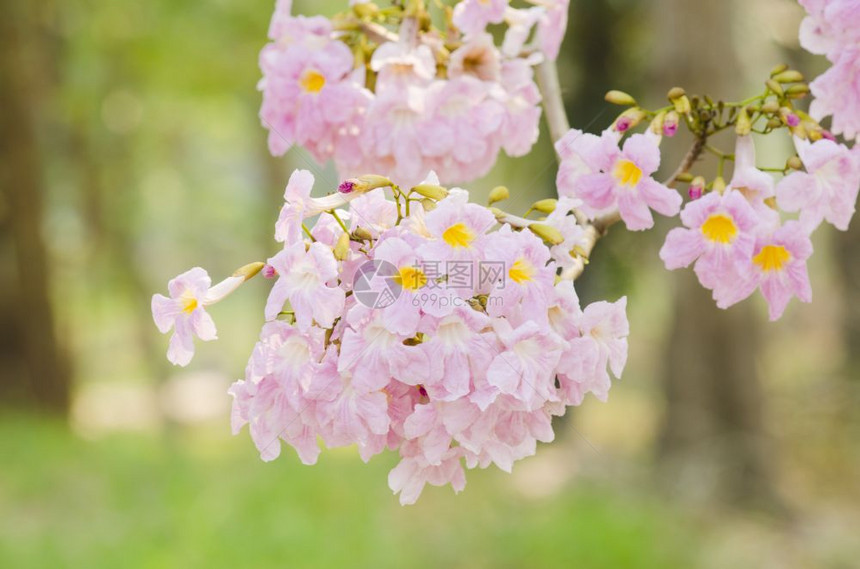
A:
[676,93]
[656,125]
[775,87]
[498,194]
[545,206]
[341,248]
[431,191]
[719,185]
[620,98]
[628,119]
[774,123]
[798,91]
[788,76]
[249,271]
[684,177]
[670,123]
[778,69]
[826,134]
[428,204]
[794,163]
[697,188]
[365,9]
[682,105]
[547,232]
[362,234]
[364,184]
[799,131]
[770,107]
[269,272]
[743,126]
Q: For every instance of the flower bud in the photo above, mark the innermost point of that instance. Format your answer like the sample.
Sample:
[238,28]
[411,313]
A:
[428,204]
[774,123]
[365,9]
[743,126]
[682,105]
[770,107]
[670,123]
[498,194]
[684,177]
[547,232]
[269,272]
[656,125]
[628,119]
[249,271]
[798,91]
[676,93]
[364,184]
[545,206]
[719,185]
[794,163]
[341,248]
[362,234]
[775,87]
[788,76]
[697,188]
[431,191]
[778,69]
[620,98]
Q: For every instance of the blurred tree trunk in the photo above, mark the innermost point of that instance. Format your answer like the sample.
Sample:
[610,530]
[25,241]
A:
[711,443]
[847,252]
[33,368]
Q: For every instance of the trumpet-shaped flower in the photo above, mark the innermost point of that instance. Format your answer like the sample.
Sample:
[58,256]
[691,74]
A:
[303,277]
[827,190]
[185,313]
[624,181]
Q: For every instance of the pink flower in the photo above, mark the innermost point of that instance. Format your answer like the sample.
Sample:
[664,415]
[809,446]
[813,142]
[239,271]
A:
[561,219]
[302,279]
[297,197]
[307,85]
[520,23]
[525,280]
[624,180]
[184,312]
[827,190]
[472,16]
[373,354]
[525,367]
[830,24]
[458,229]
[413,472]
[837,93]
[478,57]
[778,267]
[602,344]
[719,236]
[400,66]
[521,99]
[454,344]
[551,27]
[350,411]
[755,185]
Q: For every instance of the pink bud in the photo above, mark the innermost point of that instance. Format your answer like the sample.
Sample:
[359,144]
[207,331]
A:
[792,119]
[828,135]
[346,187]
[670,124]
[697,188]
[623,124]
[269,272]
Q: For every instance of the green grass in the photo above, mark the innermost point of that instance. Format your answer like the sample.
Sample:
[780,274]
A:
[195,499]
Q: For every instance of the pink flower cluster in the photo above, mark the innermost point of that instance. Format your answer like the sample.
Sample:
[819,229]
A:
[832,28]
[406,109]
[437,334]
[737,240]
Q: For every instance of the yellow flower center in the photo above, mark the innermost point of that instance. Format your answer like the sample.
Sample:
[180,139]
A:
[627,173]
[189,304]
[312,81]
[720,228]
[521,271]
[772,258]
[410,278]
[458,235]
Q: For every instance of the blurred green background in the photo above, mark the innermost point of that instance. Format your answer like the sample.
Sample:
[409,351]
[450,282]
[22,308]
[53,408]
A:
[131,151]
